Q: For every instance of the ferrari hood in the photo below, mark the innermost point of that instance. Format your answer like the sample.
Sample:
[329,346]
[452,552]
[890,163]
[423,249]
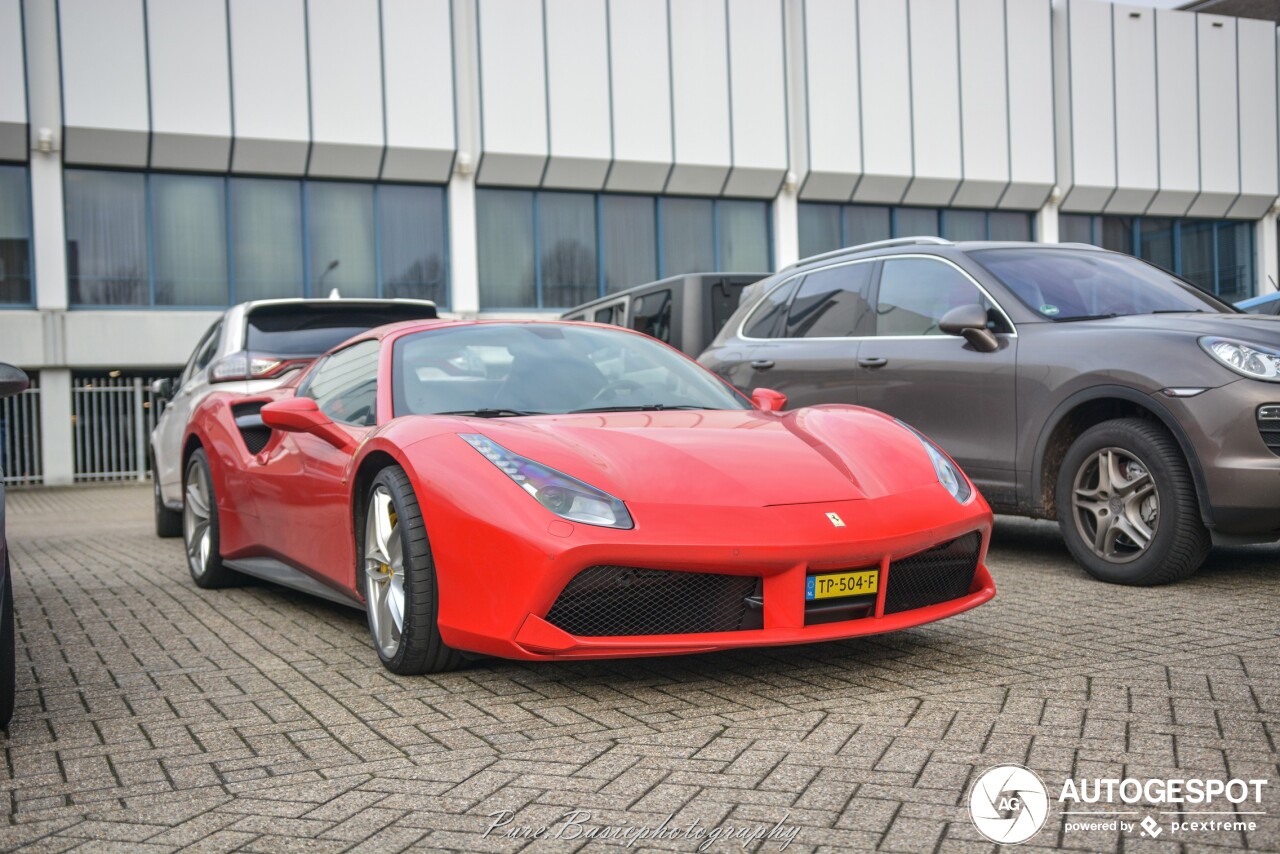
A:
[725,458]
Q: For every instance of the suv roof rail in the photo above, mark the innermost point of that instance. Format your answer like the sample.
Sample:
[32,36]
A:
[877,244]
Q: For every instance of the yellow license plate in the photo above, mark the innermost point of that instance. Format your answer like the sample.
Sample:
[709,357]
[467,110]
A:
[861,583]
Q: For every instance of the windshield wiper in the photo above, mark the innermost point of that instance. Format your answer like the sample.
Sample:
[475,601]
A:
[644,407]
[1085,317]
[1179,311]
[491,413]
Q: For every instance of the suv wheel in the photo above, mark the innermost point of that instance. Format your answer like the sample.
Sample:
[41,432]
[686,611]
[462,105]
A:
[1127,505]
[168,522]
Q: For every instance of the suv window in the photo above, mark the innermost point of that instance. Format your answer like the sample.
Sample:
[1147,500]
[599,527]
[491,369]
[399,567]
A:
[831,303]
[309,330]
[765,319]
[345,385]
[915,293]
[652,315]
[204,353]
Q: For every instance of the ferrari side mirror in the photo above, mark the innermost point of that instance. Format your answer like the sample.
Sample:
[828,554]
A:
[768,400]
[302,415]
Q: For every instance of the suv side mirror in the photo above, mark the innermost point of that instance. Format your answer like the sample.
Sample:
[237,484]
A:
[163,388]
[768,400]
[302,415]
[970,322]
[12,380]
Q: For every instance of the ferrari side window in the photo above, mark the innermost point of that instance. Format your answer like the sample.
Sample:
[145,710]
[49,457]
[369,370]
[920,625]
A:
[345,387]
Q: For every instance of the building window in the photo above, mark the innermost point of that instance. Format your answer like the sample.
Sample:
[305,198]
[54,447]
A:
[824,227]
[1214,255]
[207,241]
[544,249]
[15,237]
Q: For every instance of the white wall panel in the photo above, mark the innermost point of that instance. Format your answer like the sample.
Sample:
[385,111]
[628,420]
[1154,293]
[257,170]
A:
[1090,110]
[1134,55]
[833,109]
[1219,116]
[190,85]
[578,94]
[935,102]
[345,43]
[1177,113]
[269,86]
[700,97]
[417,56]
[513,92]
[13,93]
[885,77]
[640,68]
[757,85]
[104,82]
[984,103]
[1256,42]
[1030,47]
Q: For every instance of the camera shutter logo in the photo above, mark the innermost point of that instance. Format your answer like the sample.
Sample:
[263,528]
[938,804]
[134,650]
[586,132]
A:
[1008,804]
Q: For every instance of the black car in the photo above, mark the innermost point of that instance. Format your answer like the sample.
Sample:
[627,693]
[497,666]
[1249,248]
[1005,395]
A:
[12,381]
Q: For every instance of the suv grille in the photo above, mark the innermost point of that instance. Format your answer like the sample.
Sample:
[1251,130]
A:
[1269,427]
[610,601]
[942,573]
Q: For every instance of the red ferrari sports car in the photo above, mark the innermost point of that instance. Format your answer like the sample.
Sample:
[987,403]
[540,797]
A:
[553,490]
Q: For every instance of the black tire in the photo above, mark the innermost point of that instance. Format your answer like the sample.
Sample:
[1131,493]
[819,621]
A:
[8,652]
[419,648]
[205,563]
[1178,540]
[168,522]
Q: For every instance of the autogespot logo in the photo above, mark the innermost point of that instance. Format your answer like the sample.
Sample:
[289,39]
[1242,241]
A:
[1008,804]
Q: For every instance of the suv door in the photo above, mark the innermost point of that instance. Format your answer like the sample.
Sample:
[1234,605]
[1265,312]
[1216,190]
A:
[167,445]
[962,399]
[812,348]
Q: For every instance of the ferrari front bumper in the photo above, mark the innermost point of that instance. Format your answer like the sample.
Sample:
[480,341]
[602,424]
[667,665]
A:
[497,590]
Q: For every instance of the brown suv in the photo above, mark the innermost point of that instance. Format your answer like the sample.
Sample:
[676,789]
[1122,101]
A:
[1069,382]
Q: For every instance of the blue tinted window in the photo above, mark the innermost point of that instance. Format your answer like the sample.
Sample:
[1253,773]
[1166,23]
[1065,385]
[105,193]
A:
[15,237]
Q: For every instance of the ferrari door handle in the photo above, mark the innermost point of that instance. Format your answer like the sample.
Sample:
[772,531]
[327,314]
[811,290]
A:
[873,361]
[762,364]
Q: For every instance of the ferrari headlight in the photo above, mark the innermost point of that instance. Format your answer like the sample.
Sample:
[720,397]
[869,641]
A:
[948,475]
[1252,360]
[563,495]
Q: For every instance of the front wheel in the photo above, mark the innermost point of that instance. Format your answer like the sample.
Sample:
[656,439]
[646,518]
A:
[8,652]
[1127,505]
[168,522]
[398,579]
[200,532]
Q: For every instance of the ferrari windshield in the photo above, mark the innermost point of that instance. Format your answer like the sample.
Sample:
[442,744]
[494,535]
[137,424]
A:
[1078,284]
[504,369]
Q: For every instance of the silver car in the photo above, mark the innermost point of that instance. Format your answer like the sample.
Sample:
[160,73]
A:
[253,347]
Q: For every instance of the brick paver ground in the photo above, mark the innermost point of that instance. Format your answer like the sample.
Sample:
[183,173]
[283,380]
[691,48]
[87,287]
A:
[153,715]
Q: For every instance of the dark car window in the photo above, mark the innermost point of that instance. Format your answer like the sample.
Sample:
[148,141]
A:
[766,320]
[204,353]
[831,303]
[510,368]
[652,315]
[1066,284]
[915,293]
[345,385]
[309,330]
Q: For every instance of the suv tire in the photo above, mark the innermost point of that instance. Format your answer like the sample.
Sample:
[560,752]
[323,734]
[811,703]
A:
[1127,505]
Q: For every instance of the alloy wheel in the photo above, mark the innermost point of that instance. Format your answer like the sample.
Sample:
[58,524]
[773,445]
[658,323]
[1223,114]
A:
[1115,504]
[195,519]
[384,572]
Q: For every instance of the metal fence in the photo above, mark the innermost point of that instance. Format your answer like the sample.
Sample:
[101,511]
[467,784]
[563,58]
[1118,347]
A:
[113,417]
[20,437]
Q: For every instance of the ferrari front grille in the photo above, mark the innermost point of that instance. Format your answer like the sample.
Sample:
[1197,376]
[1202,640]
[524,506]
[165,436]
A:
[940,574]
[616,601]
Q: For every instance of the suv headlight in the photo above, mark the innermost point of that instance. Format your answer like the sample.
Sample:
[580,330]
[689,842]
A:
[949,475]
[1252,360]
[563,495]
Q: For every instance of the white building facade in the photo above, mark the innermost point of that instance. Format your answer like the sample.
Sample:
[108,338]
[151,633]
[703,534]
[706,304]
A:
[163,159]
